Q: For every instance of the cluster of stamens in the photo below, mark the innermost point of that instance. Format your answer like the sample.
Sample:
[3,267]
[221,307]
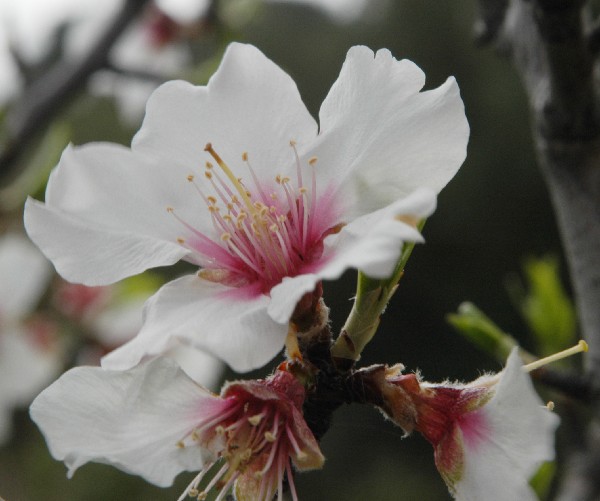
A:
[262,234]
[253,438]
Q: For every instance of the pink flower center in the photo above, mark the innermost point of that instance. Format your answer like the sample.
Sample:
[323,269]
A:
[260,233]
[257,439]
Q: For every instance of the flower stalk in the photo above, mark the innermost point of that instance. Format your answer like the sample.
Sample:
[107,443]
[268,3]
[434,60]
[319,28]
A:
[372,297]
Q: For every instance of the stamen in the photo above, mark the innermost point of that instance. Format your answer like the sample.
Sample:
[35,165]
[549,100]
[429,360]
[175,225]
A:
[214,480]
[550,405]
[254,177]
[582,346]
[300,454]
[234,180]
[290,478]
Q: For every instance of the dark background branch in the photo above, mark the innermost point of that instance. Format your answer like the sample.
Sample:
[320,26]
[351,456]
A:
[49,94]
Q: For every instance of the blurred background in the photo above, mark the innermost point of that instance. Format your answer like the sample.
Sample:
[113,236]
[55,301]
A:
[491,219]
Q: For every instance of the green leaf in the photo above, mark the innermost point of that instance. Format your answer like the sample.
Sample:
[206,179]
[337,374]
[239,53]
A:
[479,329]
[545,305]
[541,482]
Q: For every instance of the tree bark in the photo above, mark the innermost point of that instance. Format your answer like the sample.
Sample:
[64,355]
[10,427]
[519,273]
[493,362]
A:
[547,42]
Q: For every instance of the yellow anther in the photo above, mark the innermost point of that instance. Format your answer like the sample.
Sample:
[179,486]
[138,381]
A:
[292,143]
[256,419]
[170,209]
[245,156]
[550,405]
[285,180]
[193,492]
[303,190]
[226,237]
[209,165]
[301,456]
[208,174]
[219,430]
[273,228]
[270,437]
[180,240]
[190,178]
[202,496]
[278,178]
[228,218]
[180,445]
[211,199]
[312,160]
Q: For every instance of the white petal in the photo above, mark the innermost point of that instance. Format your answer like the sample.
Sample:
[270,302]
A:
[520,437]
[381,138]
[285,295]
[106,216]
[91,255]
[200,313]
[132,420]
[24,276]
[372,243]
[250,105]
[203,368]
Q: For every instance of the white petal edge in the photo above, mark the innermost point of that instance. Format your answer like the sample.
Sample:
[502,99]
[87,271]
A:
[381,138]
[132,420]
[250,105]
[522,431]
[196,312]
[91,255]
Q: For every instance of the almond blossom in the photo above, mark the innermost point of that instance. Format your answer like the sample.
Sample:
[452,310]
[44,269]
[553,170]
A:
[489,436]
[155,422]
[30,355]
[237,178]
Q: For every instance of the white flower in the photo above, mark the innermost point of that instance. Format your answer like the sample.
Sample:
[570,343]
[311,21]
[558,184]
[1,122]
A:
[383,150]
[489,436]
[155,422]
[29,358]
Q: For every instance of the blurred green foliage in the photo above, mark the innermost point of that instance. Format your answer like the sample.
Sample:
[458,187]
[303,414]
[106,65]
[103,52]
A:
[545,305]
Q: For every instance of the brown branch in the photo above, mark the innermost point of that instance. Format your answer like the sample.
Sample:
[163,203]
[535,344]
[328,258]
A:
[49,94]
[546,41]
